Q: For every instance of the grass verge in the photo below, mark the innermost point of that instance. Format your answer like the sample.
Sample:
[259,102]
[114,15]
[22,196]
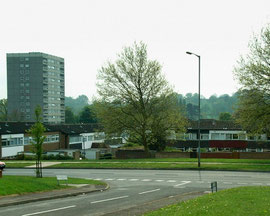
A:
[159,163]
[27,184]
[171,166]
[237,201]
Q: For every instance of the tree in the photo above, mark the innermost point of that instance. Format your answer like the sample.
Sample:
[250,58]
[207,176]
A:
[87,115]
[37,131]
[77,104]
[3,110]
[135,99]
[253,73]
[225,116]
[69,116]
[192,111]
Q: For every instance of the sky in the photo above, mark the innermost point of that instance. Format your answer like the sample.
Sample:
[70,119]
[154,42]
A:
[89,33]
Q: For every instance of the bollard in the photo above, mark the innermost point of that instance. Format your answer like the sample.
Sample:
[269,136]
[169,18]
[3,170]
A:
[214,186]
[0,173]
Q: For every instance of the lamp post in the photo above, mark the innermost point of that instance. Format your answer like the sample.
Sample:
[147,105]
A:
[199,111]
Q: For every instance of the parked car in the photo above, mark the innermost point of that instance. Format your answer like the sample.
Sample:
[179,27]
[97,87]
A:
[2,165]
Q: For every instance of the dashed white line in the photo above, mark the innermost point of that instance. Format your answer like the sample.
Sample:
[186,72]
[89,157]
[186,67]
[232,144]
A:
[149,191]
[227,182]
[133,179]
[146,180]
[171,181]
[183,183]
[121,179]
[51,210]
[159,180]
[110,199]
[98,179]
[109,179]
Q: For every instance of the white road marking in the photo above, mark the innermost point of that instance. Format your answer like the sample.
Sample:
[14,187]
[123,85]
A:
[183,183]
[257,183]
[133,179]
[121,179]
[110,199]
[170,181]
[109,179]
[159,180]
[149,191]
[98,179]
[146,180]
[52,210]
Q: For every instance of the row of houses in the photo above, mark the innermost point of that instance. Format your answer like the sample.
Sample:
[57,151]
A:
[221,135]
[15,139]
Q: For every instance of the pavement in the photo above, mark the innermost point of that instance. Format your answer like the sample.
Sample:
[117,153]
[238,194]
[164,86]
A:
[55,194]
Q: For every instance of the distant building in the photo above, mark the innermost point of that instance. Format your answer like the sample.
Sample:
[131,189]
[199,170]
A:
[36,79]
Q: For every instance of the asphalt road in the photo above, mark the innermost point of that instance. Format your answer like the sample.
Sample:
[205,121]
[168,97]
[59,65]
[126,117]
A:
[130,189]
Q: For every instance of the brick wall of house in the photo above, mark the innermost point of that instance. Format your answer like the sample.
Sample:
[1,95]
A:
[63,141]
[45,146]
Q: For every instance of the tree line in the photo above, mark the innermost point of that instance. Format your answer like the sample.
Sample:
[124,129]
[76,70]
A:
[78,110]
[215,107]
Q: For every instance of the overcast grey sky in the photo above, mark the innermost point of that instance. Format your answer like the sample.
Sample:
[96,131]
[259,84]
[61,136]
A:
[87,33]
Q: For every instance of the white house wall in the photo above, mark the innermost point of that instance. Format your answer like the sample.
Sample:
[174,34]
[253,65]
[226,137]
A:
[11,151]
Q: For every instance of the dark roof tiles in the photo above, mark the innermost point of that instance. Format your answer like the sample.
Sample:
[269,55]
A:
[22,127]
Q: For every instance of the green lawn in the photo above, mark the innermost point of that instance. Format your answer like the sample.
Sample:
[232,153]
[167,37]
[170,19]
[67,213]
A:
[241,201]
[156,163]
[27,184]
[207,160]
[172,165]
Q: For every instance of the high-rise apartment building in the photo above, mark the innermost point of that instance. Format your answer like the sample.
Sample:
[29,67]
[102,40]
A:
[35,79]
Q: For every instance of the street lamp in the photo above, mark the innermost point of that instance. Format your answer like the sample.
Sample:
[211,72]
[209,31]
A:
[199,111]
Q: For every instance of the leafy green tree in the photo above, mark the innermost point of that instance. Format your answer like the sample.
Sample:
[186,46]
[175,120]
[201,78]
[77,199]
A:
[70,116]
[135,99]
[211,107]
[77,104]
[225,116]
[87,115]
[37,131]
[3,110]
[192,111]
[253,73]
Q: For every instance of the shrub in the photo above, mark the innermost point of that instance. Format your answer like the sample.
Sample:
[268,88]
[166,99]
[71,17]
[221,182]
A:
[106,156]
[24,157]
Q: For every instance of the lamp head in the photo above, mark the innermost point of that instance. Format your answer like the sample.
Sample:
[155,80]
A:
[189,53]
